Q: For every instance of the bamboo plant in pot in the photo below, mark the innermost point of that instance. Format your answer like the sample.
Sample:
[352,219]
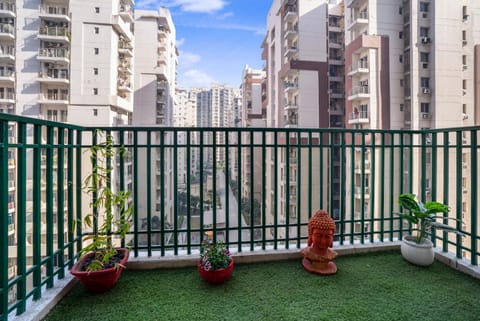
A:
[418,249]
[101,263]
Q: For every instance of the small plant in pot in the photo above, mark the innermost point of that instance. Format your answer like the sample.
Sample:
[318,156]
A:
[216,263]
[101,263]
[418,249]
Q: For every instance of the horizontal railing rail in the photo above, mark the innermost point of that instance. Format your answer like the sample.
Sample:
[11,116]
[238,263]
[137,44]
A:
[253,188]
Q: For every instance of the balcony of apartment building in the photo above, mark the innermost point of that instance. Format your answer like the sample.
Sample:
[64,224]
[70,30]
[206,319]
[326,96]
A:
[54,54]
[335,24]
[371,230]
[52,75]
[358,117]
[7,53]
[126,10]
[125,47]
[7,75]
[291,118]
[58,33]
[7,95]
[290,13]
[121,26]
[161,33]
[124,85]
[336,92]
[55,12]
[359,92]
[125,67]
[290,87]
[335,108]
[291,31]
[359,20]
[7,31]
[7,9]
[359,68]
[290,51]
[55,96]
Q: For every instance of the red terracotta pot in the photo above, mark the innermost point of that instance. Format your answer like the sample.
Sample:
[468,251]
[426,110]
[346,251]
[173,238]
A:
[99,281]
[218,276]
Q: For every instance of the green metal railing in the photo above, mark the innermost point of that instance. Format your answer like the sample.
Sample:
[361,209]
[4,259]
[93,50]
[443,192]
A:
[255,189]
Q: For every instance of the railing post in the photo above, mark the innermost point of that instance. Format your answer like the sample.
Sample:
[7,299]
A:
[4,220]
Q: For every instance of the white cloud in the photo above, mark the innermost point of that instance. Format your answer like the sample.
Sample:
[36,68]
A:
[203,6]
[187,58]
[195,78]
[180,42]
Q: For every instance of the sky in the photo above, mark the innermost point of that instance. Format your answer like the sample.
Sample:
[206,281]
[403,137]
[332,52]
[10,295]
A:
[215,38]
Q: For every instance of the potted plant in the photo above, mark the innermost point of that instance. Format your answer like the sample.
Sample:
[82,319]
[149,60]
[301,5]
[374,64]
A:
[216,263]
[418,249]
[101,263]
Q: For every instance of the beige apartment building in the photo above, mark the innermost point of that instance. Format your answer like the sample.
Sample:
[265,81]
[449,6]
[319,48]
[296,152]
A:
[303,49]
[156,58]
[412,64]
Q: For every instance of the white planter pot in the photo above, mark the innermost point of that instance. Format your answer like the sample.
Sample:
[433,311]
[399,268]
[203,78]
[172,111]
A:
[419,254]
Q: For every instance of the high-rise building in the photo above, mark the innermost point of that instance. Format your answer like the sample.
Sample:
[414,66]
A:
[155,81]
[411,64]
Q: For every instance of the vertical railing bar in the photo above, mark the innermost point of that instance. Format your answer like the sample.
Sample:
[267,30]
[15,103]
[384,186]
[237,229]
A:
[372,163]
[446,165]
[189,210]
[4,220]
[458,201]
[214,185]
[49,206]
[201,147]
[286,196]
[149,193]
[122,169]
[252,193]
[175,191]
[37,208]
[264,190]
[392,183]
[299,185]
[162,192]
[226,172]
[135,192]
[362,189]
[239,190]
[61,201]
[320,172]
[78,189]
[342,160]
[352,194]
[70,195]
[310,177]
[473,198]
[382,186]
[22,216]
[275,190]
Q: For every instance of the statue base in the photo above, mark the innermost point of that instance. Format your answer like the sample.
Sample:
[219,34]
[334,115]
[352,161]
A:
[317,267]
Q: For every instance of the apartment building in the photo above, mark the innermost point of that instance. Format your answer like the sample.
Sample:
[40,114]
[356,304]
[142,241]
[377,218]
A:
[411,64]
[253,115]
[156,58]
[303,49]
[39,40]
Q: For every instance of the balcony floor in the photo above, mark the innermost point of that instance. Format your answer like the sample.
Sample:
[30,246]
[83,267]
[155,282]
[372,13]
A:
[374,286]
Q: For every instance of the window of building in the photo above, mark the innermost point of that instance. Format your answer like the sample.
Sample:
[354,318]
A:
[464,108]
[95,112]
[97,30]
[464,35]
[400,10]
[400,35]
[401,82]
[425,107]
[402,107]
[96,51]
[95,91]
[423,32]
[425,82]
[464,84]
[424,6]
[400,59]
[424,57]
[97,9]
[95,71]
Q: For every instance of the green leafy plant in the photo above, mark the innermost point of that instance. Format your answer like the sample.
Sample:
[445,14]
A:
[111,212]
[214,255]
[424,215]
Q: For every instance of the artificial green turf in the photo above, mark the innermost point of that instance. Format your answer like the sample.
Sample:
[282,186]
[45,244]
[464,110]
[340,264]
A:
[370,287]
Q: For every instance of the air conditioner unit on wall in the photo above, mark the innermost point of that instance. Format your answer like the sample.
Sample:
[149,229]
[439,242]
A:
[425,115]
[425,40]
[426,90]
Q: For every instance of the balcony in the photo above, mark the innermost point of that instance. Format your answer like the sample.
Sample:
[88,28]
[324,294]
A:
[54,13]
[359,69]
[358,93]
[126,12]
[7,53]
[54,76]
[7,31]
[56,34]
[358,22]
[54,55]
[7,97]
[175,240]
[7,76]
[54,98]
[359,117]
[7,10]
